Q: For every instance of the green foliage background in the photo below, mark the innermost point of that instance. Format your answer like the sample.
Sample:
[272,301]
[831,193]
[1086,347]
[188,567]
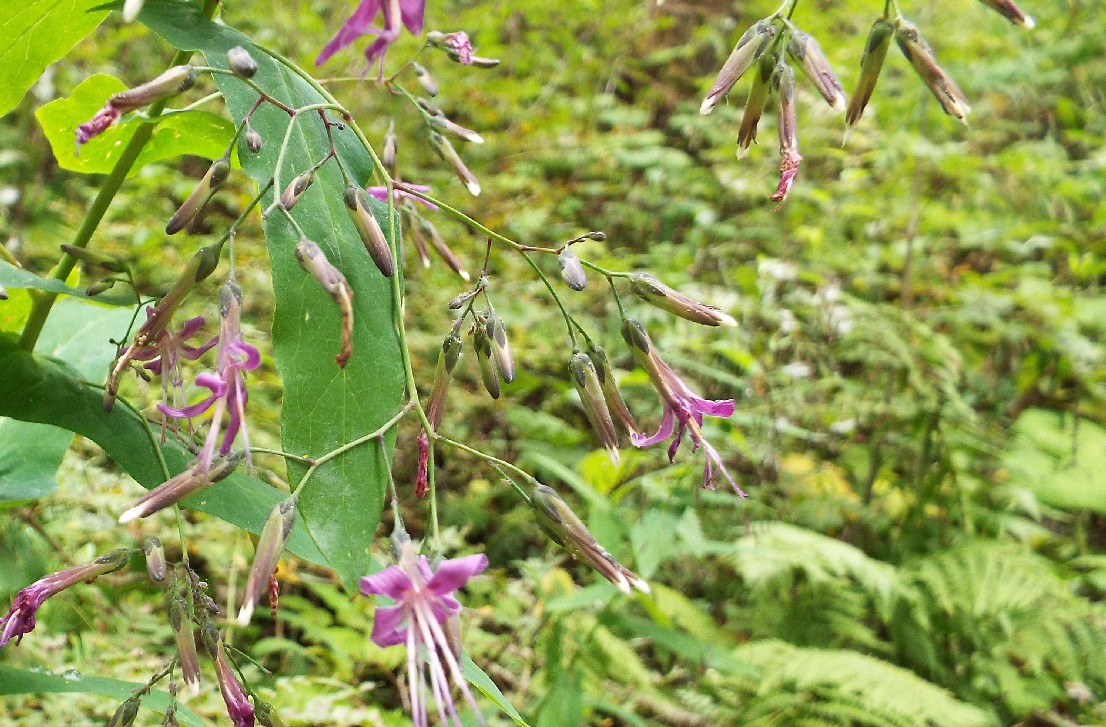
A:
[919,371]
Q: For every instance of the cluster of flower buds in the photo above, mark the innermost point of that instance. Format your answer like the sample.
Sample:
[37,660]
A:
[314,262]
[493,351]
[177,79]
[274,536]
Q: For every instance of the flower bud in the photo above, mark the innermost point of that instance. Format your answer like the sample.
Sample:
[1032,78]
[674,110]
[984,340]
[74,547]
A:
[449,154]
[314,262]
[489,368]
[586,381]
[269,547]
[155,558]
[1011,12]
[175,489]
[360,211]
[457,45]
[241,62]
[557,520]
[660,295]
[177,79]
[754,105]
[789,136]
[920,55]
[425,79]
[131,9]
[253,141]
[635,336]
[871,63]
[497,332]
[615,404]
[480,62]
[749,48]
[180,618]
[439,120]
[125,714]
[100,286]
[296,188]
[804,49]
[390,142]
[444,250]
[597,236]
[216,176]
[95,259]
[572,270]
[234,694]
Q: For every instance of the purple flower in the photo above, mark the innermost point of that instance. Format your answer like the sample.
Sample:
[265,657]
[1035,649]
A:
[683,408]
[227,385]
[407,12]
[164,355]
[381,193]
[239,708]
[425,611]
[20,619]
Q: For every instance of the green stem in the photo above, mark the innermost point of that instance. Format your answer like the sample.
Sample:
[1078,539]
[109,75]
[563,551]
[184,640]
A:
[494,461]
[279,453]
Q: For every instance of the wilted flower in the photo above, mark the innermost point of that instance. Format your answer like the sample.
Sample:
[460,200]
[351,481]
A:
[424,603]
[164,355]
[314,262]
[173,81]
[457,45]
[20,619]
[407,12]
[227,385]
[789,136]
[683,408]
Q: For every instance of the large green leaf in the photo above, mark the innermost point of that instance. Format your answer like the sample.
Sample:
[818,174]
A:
[324,406]
[21,681]
[36,389]
[34,34]
[200,133]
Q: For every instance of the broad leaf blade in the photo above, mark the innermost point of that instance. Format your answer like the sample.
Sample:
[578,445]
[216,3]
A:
[324,406]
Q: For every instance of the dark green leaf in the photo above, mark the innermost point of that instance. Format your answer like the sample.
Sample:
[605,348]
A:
[477,678]
[324,406]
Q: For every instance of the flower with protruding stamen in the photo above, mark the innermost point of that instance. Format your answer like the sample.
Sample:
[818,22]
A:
[20,619]
[683,408]
[424,603]
[397,13]
[164,355]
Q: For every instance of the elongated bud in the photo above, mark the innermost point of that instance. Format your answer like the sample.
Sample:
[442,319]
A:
[390,142]
[101,286]
[449,154]
[360,211]
[216,176]
[871,63]
[804,49]
[560,523]
[497,332]
[748,49]
[657,293]
[439,120]
[155,558]
[754,105]
[443,250]
[241,62]
[447,361]
[489,368]
[425,79]
[177,79]
[177,488]
[615,403]
[296,188]
[270,545]
[481,62]
[586,381]
[96,259]
[314,262]
[597,236]
[1011,12]
[180,618]
[572,270]
[635,336]
[125,714]
[789,135]
[253,141]
[920,55]
[234,694]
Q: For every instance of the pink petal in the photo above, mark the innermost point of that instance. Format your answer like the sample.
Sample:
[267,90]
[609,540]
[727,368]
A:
[194,352]
[386,626]
[721,408]
[454,573]
[247,356]
[665,431]
[191,327]
[391,582]
[412,13]
[351,30]
[187,412]
[214,383]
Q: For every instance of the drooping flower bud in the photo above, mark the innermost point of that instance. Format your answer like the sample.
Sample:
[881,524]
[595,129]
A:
[234,694]
[586,381]
[253,140]
[657,293]
[439,120]
[449,154]
[755,103]
[1010,11]
[443,250]
[216,176]
[615,403]
[804,49]
[572,270]
[180,618]
[748,50]
[155,558]
[450,354]
[241,62]
[497,332]
[390,142]
[920,55]
[871,63]
[425,79]
[457,45]
[269,547]
[175,489]
[789,135]
[314,262]
[489,368]
[3,293]
[125,713]
[177,79]
[296,188]
[360,211]
[560,523]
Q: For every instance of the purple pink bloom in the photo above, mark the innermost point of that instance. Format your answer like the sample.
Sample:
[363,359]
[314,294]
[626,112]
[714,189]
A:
[397,13]
[239,708]
[381,193]
[164,355]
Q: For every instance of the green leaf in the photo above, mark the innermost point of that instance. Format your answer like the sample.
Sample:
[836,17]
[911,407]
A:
[20,681]
[36,389]
[477,678]
[16,278]
[324,406]
[200,133]
[34,34]
[1039,457]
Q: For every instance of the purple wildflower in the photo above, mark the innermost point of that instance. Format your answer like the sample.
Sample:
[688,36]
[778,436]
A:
[457,45]
[165,353]
[20,619]
[227,385]
[407,12]
[683,408]
[239,708]
[422,619]
[381,193]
